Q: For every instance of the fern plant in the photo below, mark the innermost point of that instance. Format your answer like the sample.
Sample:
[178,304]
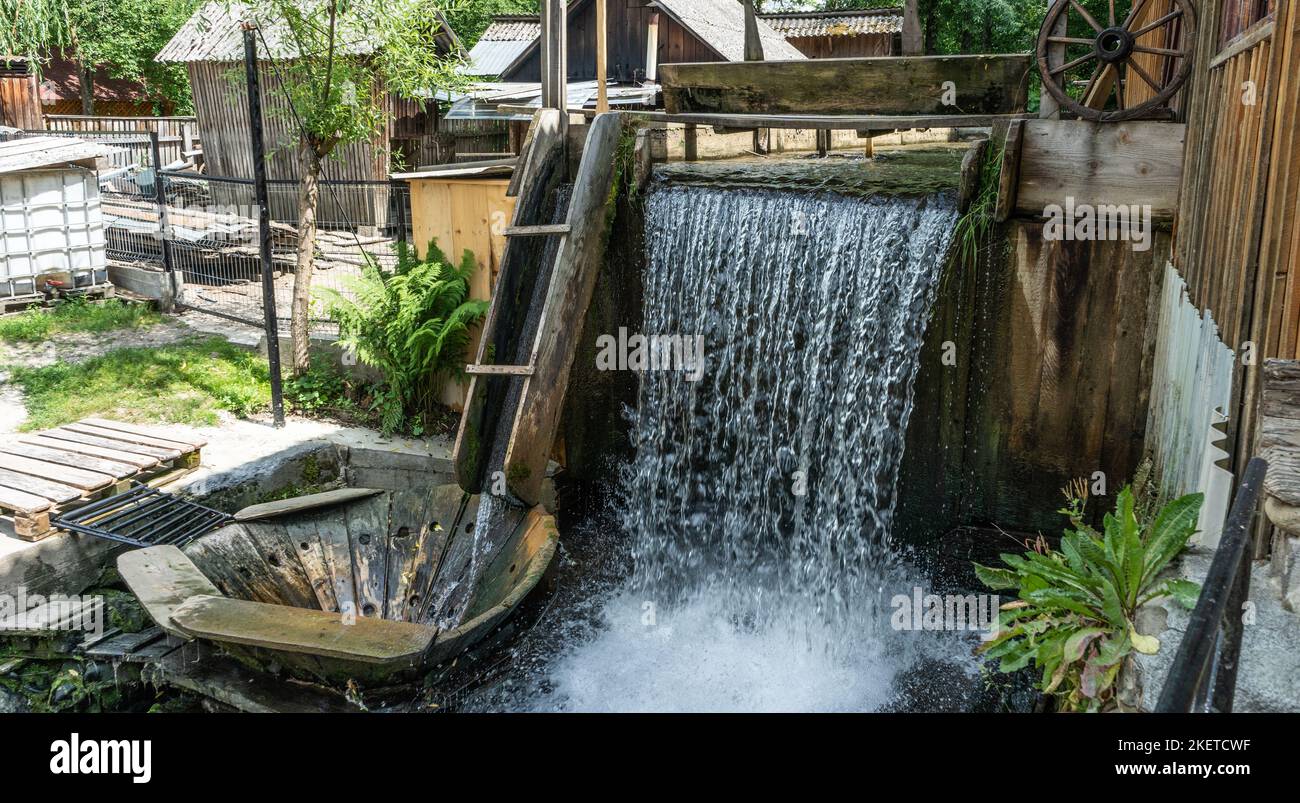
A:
[1075,609]
[412,323]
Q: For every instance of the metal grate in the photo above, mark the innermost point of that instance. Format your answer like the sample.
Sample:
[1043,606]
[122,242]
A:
[143,516]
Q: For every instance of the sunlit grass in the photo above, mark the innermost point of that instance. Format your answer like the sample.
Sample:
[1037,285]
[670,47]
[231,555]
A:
[76,315]
[183,383]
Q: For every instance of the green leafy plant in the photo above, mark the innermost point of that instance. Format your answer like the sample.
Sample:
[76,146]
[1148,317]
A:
[1074,614]
[412,323]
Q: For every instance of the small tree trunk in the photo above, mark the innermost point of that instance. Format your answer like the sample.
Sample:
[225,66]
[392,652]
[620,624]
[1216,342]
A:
[87,81]
[308,194]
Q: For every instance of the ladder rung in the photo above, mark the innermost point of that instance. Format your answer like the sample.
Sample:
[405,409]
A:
[498,370]
[537,231]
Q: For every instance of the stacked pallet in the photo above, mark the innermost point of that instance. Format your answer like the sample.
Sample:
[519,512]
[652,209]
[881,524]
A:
[55,471]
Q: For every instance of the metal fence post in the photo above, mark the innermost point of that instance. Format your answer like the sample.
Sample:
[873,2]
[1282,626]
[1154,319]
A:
[264,224]
[160,196]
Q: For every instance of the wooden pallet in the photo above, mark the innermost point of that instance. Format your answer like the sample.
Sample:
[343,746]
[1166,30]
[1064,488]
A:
[58,470]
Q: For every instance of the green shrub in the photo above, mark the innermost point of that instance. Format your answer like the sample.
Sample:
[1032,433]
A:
[1075,609]
[412,324]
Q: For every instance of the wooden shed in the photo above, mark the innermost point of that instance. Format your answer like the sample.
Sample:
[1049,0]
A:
[210,45]
[841,34]
[20,100]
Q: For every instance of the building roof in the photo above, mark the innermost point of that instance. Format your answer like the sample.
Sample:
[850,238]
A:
[504,41]
[836,23]
[214,33]
[720,24]
[29,153]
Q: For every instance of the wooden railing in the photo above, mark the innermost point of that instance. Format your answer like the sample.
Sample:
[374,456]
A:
[176,135]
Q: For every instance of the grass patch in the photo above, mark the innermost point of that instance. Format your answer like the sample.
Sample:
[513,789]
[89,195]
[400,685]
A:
[183,383]
[76,315]
[326,392]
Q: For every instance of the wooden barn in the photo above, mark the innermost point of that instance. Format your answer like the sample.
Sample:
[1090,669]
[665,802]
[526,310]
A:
[841,34]
[210,45]
[640,35]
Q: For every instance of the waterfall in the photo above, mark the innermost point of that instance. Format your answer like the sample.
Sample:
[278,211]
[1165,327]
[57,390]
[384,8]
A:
[759,503]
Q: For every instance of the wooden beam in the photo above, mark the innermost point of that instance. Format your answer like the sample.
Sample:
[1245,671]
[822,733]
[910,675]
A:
[913,42]
[652,47]
[753,45]
[910,85]
[499,370]
[835,122]
[602,93]
[536,231]
[559,329]
[1100,163]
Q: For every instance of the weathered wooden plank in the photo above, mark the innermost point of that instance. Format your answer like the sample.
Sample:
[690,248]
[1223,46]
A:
[173,449]
[65,458]
[22,502]
[74,442]
[163,577]
[303,531]
[180,440]
[53,491]
[982,84]
[300,504]
[1100,164]
[300,630]
[1009,177]
[572,280]
[67,475]
[450,512]
[367,523]
[499,370]
[272,541]
[537,231]
[84,439]
[336,549]
[406,528]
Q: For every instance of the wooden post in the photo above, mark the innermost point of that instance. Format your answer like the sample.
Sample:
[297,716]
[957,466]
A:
[602,94]
[753,45]
[913,44]
[560,56]
[689,143]
[652,48]
[1047,105]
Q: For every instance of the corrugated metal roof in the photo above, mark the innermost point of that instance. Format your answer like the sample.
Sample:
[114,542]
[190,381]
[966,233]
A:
[492,57]
[214,33]
[29,153]
[721,25]
[835,23]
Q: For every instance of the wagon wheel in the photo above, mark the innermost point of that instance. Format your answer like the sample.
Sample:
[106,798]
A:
[1103,60]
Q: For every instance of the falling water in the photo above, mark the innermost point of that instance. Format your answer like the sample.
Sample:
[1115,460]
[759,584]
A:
[761,496]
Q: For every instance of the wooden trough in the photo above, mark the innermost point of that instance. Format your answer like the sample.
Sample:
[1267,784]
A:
[348,586]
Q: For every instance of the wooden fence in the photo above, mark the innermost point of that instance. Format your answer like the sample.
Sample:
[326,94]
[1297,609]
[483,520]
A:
[175,134]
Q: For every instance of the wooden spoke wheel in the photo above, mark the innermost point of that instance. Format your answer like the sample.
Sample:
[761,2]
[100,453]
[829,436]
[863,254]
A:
[1139,63]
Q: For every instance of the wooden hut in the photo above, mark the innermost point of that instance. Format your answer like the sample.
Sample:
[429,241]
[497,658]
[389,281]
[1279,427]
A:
[841,34]
[210,45]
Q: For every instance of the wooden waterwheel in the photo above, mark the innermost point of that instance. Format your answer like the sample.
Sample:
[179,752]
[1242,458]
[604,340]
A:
[1084,62]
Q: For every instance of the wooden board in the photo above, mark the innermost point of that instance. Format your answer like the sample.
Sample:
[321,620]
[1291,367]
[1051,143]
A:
[63,458]
[162,578]
[299,504]
[22,502]
[67,475]
[53,491]
[278,627]
[140,461]
[172,449]
[577,263]
[192,441]
[983,84]
[304,532]
[1100,163]
[367,524]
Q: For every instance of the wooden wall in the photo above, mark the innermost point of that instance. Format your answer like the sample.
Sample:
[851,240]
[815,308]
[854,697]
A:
[841,47]
[20,102]
[1236,240]
[463,214]
[626,34]
[175,134]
